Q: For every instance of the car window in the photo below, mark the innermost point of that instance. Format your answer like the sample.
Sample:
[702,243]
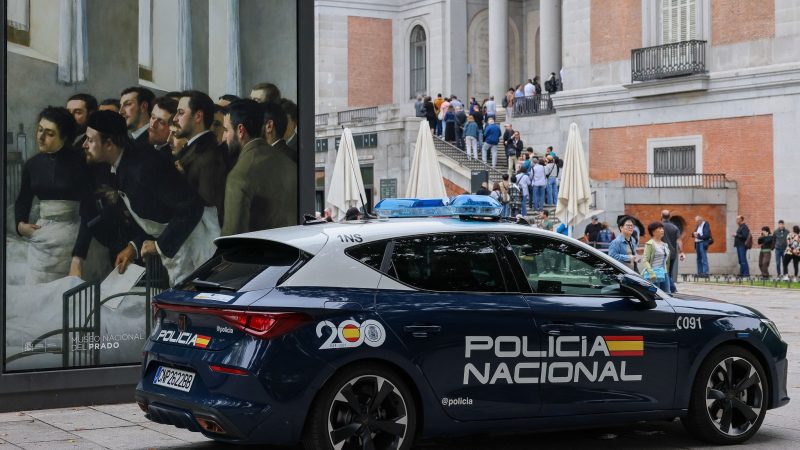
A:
[245,265]
[453,262]
[556,267]
[370,254]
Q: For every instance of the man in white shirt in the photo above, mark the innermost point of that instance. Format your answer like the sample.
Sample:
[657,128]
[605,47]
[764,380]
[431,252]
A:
[530,89]
[491,108]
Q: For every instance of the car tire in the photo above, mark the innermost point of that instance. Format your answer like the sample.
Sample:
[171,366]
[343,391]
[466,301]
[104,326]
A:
[345,413]
[729,397]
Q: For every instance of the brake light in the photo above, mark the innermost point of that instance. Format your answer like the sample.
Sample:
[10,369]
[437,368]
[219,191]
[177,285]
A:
[263,325]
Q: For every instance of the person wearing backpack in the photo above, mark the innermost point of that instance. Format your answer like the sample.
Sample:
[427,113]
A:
[741,239]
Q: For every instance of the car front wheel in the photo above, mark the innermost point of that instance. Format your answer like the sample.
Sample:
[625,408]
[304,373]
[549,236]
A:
[729,397]
[364,407]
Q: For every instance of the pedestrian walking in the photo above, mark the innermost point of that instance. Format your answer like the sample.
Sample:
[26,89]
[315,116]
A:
[655,261]
[792,252]
[539,183]
[491,138]
[623,248]
[673,237]
[514,197]
[524,182]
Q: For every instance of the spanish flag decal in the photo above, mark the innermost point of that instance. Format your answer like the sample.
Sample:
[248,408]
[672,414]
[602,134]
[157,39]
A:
[202,341]
[625,345]
[351,333]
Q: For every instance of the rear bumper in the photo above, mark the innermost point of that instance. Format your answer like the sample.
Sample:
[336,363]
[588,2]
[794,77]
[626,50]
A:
[253,424]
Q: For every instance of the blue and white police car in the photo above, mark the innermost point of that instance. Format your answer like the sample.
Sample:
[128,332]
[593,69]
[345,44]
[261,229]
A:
[375,333]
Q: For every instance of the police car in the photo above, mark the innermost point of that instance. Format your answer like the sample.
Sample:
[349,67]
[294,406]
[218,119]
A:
[376,333]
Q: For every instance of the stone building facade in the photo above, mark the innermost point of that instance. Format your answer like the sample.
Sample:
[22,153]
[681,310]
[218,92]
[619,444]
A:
[707,90]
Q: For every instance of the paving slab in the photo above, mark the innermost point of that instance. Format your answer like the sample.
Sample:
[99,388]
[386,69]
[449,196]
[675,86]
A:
[78,419]
[15,417]
[19,433]
[132,437]
[178,433]
[124,411]
[72,444]
[5,445]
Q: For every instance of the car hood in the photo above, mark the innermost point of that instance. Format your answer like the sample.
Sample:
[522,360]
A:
[711,305]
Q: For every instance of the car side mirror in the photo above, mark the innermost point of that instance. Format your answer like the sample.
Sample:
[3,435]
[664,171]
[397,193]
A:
[641,289]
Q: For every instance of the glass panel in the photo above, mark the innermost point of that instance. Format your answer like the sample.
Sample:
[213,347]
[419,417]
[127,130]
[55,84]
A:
[555,267]
[64,311]
[465,262]
[370,254]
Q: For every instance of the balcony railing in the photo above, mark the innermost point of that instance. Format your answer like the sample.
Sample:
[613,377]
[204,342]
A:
[533,105]
[668,60]
[358,115]
[657,180]
[320,120]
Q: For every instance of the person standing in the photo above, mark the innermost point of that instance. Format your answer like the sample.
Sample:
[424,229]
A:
[547,224]
[491,139]
[514,197]
[449,125]
[491,108]
[792,252]
[461,120]
[779,241]
[471,137]
[136,104]
[201,162]
[255,191]
[672,236]
[509,102]
[477,115]
[419,107]
[656,257]
[437,105]
[551,172]
[740,241]
[702,240]
[539,183]
[81,106]
[524,182]
[430,113]
[591,230]
[767,244]
[513,151]
[623,248]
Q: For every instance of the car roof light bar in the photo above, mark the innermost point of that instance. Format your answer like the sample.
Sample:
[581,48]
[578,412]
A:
[477,206]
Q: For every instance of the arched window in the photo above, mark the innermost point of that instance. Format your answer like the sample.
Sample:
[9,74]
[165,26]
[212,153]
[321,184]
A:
[418,57]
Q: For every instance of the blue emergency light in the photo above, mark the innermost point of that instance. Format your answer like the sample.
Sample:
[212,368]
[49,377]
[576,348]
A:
[477,206]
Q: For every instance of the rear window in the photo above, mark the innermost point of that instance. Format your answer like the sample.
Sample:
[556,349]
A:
[246,265]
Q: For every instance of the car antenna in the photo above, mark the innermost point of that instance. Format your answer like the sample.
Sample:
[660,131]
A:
[367,215]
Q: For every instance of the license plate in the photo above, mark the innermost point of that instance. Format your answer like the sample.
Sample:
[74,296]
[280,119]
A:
[174,378]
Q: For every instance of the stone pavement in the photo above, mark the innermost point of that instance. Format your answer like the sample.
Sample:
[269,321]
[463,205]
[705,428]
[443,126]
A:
[124,426]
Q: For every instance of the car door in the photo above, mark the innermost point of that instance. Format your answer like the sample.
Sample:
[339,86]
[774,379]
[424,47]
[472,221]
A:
[605,351]
[460,324]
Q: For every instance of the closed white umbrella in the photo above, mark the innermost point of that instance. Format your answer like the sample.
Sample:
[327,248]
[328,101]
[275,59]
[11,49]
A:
[347,187]
[574,194]
[425,179]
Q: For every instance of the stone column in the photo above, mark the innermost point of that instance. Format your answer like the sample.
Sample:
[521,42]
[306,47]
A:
[498,48]
[549,38]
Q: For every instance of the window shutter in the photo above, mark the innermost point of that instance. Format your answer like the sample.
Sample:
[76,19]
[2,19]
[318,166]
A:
[678,20]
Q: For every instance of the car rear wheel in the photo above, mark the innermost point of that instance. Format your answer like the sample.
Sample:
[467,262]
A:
[364,407]
[729,397]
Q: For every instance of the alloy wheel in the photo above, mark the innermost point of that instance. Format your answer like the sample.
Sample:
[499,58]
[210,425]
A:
[734,396]
[367,412]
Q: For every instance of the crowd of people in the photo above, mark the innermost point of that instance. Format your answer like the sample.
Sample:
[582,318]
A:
[144,175]
[664,251]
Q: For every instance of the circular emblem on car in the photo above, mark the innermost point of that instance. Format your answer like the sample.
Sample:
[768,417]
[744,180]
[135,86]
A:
[374,334]
[351,333]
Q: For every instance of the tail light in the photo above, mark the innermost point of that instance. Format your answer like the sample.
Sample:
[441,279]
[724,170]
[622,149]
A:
[261,324]
[227,370]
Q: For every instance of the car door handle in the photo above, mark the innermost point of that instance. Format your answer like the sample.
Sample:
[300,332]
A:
[422,330]
[557,329]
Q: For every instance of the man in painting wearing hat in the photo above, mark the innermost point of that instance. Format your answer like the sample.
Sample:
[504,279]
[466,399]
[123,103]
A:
[155,194]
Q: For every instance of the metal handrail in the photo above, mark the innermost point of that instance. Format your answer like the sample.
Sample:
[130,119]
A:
[533,105]
[660,180]
[668,60]
[321,120]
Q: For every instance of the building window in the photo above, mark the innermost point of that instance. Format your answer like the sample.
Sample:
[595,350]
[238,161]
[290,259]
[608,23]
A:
[321,146]
[368,140]
[418,56]
[679,155]
[678,21]
[146,40]
[18,22]
[674,160]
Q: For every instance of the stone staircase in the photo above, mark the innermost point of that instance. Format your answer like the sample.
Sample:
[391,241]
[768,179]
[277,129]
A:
[460,156]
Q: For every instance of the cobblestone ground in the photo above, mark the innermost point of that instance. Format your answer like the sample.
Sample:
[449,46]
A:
[124,427]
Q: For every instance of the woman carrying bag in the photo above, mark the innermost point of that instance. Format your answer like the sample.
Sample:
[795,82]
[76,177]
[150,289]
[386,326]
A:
[656,257]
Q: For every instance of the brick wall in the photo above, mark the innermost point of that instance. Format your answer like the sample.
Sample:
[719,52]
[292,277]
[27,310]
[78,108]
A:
[741,20]
[713,214]
[452,188]
[369,61]
[616,28]
[740,147]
